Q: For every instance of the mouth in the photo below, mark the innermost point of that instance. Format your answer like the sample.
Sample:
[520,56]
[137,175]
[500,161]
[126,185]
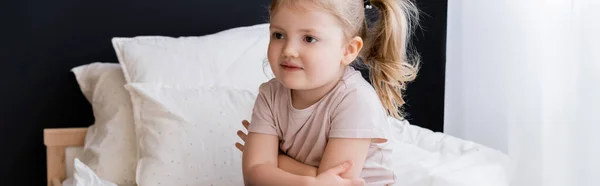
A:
[290,67]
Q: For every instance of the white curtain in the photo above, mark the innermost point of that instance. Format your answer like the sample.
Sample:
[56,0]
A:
[523,77]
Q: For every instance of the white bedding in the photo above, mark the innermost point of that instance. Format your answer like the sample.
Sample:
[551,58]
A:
[70,154]
[425,158]
[85,176]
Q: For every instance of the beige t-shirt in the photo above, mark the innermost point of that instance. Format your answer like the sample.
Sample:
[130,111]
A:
[351,110]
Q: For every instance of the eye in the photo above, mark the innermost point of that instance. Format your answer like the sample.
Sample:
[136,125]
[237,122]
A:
[277,35]
[310,39]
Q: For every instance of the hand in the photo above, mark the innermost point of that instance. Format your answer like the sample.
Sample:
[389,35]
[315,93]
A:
[242,136]
[332,176]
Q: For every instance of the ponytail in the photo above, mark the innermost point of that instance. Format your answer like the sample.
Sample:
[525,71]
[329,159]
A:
[386,51]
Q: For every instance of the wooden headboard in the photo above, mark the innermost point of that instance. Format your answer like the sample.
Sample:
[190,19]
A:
[57,141]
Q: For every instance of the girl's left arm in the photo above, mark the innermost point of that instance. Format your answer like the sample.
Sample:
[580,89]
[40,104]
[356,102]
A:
[339,150]
[356,122]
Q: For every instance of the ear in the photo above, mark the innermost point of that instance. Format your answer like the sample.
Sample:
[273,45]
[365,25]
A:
[352,50]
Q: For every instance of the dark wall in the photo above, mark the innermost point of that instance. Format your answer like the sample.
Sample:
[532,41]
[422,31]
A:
[425,96]
[43,40]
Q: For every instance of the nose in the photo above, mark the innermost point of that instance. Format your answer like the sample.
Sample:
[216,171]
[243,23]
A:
[290,50]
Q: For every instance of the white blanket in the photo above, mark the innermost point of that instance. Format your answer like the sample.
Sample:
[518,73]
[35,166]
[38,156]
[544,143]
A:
[425,158]
[84,176]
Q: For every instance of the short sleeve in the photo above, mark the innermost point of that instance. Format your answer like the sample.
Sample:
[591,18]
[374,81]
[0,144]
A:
[360,114]
[262,114]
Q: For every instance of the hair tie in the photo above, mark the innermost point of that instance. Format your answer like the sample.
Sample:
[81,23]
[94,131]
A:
[368,4]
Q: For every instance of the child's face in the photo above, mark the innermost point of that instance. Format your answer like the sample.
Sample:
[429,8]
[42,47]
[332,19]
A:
[306,47]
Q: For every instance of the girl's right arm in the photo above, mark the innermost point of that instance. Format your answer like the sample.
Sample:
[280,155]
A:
[284,162]
[260,161]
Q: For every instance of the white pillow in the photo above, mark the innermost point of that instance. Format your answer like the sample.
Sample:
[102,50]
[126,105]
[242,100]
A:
[233,58]
[110,148]
[187,133]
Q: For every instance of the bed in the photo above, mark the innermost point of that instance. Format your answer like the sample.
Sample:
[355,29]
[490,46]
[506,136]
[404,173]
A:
[173,18]
[459,162]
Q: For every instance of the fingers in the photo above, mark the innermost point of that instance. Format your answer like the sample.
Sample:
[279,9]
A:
[346,166]
[242,135]
[246,124]
[356,182]
[239,146]
[341,168]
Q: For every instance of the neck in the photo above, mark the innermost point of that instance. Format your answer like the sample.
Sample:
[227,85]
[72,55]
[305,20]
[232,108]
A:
[302,99]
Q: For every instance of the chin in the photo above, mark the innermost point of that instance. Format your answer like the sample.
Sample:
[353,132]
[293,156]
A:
[292,83]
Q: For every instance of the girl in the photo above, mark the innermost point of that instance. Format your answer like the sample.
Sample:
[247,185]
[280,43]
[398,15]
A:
[319,122]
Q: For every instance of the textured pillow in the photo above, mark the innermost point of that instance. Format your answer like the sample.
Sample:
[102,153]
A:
[233,58]
[187,133]
[110,148]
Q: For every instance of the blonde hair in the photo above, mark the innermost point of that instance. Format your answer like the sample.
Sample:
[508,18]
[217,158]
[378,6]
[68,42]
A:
[386,45]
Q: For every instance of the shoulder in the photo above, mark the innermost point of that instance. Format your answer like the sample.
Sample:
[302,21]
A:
[272,92]
[363,96]
[270,87]
[358,112]
[353,79]
[355,93]
[355,88]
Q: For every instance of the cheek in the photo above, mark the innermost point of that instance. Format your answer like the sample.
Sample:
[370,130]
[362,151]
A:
[329,58]
[273,53]
[324,63]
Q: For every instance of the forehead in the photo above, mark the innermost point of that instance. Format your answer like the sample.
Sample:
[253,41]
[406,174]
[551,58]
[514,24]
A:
[304,15]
